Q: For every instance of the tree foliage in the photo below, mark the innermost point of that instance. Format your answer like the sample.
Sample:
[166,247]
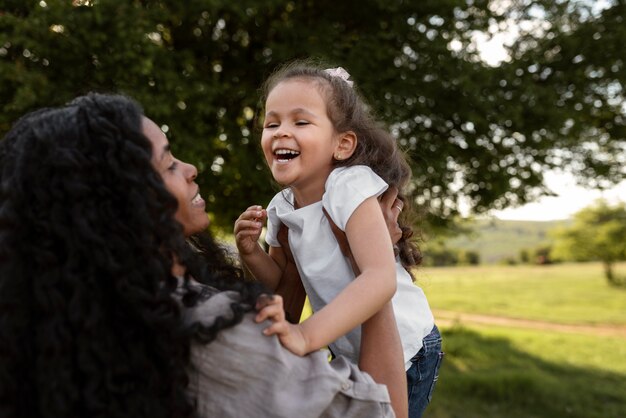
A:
[598,233]
[486,133]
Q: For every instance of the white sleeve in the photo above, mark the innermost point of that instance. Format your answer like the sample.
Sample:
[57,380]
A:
[347,188]
[273,221]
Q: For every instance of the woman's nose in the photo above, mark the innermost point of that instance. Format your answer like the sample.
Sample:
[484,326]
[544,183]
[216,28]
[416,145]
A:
[192,171]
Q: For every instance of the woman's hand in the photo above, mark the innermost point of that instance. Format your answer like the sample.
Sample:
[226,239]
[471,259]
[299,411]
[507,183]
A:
[248,229]
[391,207]
[289,335]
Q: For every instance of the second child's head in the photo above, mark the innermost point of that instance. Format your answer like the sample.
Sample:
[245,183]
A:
[315,121]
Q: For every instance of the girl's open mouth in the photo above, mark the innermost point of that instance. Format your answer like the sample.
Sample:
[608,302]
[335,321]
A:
[283,155]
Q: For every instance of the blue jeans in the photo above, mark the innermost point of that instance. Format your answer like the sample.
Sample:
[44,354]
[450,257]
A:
[423,373]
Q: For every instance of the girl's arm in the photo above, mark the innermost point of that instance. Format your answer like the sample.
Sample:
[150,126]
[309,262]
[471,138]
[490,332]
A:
[372,250]
[266,268]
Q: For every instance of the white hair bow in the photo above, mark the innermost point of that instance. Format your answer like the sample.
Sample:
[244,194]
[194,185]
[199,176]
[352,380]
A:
[341,73]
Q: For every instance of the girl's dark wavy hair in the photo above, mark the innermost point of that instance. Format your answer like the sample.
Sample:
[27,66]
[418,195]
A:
[89,325]
[376,146]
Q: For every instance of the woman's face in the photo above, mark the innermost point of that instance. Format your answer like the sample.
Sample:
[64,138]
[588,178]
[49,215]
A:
[179,179]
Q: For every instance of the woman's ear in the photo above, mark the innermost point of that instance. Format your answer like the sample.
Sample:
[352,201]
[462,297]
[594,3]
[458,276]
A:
[346,145]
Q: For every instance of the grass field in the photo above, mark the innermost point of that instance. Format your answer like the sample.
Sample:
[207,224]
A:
[491,372]
[497,371]
[574,293]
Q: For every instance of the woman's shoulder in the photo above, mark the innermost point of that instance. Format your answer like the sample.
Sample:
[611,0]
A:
[212,304]
[241,372]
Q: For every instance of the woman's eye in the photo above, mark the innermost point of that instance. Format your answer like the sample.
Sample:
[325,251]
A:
[173,166]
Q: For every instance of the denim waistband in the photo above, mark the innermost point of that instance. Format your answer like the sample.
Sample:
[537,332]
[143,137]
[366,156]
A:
[433,338]
[435,330]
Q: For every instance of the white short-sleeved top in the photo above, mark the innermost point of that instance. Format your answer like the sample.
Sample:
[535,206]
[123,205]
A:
[325,271]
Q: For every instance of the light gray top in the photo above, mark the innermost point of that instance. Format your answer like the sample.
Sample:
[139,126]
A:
[243,373]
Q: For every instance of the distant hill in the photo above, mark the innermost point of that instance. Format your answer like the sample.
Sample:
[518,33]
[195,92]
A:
[496,240]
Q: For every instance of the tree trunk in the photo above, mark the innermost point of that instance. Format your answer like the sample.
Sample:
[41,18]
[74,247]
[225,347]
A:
[608,273]
[613,279]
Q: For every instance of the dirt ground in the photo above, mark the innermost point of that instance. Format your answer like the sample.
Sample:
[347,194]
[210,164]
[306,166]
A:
[447,318]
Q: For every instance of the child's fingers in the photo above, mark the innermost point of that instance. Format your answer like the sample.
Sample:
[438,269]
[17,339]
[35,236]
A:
[272,312]
[243,226]
[252,213]
[258,214]
[270,308]
[254,208]
[263,300]
[277,328]
[251,218]
[255,212]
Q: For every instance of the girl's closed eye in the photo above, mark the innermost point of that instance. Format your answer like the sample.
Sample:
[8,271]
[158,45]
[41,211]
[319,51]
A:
[302,122]
[270,125]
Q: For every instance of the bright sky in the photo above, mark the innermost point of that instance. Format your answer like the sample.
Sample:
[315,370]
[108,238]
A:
[571,198]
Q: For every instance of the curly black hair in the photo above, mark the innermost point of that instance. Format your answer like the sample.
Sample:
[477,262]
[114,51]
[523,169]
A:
[89,324]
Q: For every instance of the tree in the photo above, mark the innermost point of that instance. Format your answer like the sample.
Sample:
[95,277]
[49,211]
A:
[471,130]
[543,255]
[468,257]
[438,255]
[598,233]
[524,258]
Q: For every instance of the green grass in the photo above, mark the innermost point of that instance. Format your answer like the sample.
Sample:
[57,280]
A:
[491,372]
[508,372]
[574,293]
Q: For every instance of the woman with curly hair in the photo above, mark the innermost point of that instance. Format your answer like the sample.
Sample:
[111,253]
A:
[105,308]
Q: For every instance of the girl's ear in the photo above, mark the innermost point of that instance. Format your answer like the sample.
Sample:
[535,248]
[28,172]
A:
[346,145]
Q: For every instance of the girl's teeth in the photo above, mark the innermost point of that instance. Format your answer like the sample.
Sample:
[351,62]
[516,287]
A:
[286,154]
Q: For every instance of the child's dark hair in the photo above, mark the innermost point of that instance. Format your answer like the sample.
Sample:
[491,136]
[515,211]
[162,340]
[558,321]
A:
[376,146]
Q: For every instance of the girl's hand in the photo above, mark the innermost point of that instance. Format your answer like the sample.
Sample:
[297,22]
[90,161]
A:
[248,229]
[289,335]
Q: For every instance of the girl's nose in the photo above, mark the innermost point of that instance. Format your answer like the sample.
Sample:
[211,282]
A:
[280,133]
